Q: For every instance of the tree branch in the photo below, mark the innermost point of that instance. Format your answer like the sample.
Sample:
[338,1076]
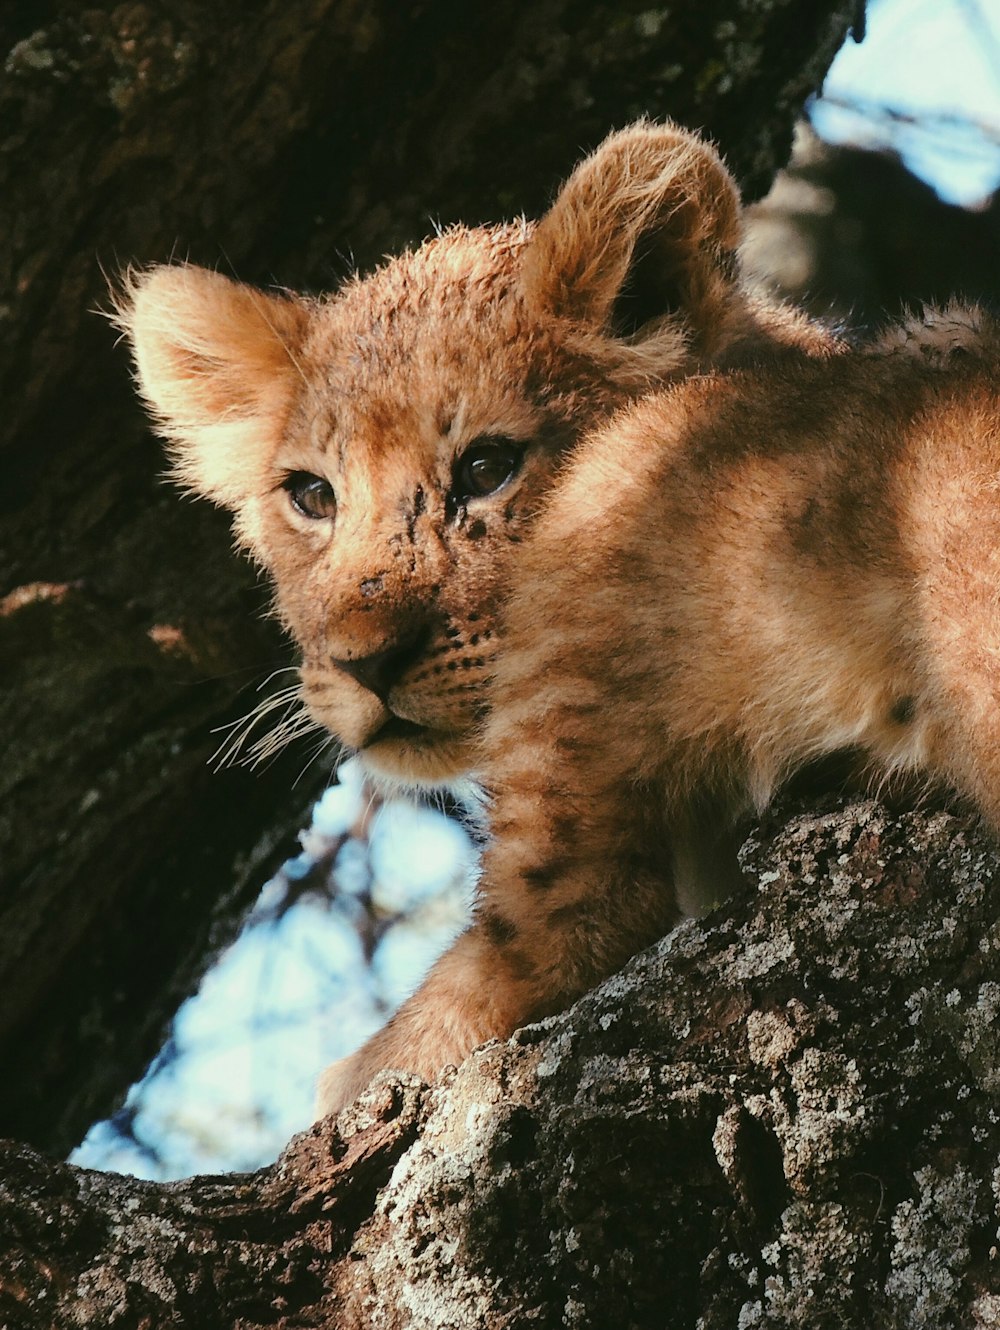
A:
[782,1116]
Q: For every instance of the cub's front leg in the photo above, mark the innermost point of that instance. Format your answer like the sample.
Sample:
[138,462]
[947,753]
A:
[573,884]
[472,994]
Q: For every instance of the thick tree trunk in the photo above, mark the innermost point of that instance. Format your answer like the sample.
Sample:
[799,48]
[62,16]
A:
[276,138]
[783,1117]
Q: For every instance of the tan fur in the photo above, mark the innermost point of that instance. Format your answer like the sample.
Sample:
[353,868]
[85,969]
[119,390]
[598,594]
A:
[734,545]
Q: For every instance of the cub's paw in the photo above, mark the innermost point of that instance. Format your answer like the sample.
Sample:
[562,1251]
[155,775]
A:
[400,1047]
[345,1079]
[340,1084]
[465,1000]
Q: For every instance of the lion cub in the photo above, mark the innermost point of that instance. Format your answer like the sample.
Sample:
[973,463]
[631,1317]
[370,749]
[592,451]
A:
[565,507]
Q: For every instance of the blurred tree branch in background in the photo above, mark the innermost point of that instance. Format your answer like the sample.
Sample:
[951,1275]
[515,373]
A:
[854,237]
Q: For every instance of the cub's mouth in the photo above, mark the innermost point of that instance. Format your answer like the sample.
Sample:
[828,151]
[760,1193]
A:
[395,729]
[423,756]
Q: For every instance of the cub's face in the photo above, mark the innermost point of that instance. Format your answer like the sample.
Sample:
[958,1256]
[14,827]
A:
[384,451]
[432,409]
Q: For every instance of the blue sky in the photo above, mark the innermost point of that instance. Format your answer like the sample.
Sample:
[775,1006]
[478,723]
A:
[937,64]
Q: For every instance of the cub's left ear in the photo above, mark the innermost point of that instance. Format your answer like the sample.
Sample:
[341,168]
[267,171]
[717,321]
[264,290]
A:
[647,226]
[216,365]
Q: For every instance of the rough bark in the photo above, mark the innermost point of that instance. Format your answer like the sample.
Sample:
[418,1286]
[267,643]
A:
[784,1116]
[276,138]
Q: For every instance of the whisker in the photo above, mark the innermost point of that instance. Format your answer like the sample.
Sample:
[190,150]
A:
[290,727]
[375,802]
[265,704]
[239,731]
[244,724]
[319,748]
[285,669]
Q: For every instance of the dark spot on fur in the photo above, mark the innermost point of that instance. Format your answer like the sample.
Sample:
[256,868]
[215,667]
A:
[419,502]
[473,618]
[543,877]
[564,827]
[519,963]
[903,710]
[500,931]
[808,532]
[564,916]
[371,586]
[477,530]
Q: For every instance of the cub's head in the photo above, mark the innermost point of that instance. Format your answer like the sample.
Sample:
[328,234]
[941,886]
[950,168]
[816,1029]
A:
[384,450]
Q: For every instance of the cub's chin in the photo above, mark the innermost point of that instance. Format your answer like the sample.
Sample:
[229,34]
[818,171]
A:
[402,753]
[395,752]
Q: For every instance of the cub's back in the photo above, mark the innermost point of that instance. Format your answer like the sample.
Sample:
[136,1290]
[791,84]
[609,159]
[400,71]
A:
[772,563]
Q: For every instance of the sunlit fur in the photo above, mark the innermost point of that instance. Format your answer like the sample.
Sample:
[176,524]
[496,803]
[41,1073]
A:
[736,544]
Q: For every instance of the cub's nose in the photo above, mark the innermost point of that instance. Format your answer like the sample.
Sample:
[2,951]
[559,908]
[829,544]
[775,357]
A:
[380,672]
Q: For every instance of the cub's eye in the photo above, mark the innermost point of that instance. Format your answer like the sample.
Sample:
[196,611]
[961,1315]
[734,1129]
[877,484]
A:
[485,466]
[312,496]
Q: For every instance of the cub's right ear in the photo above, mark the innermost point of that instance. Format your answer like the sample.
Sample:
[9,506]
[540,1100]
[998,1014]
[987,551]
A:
[647,227]
[216,365]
